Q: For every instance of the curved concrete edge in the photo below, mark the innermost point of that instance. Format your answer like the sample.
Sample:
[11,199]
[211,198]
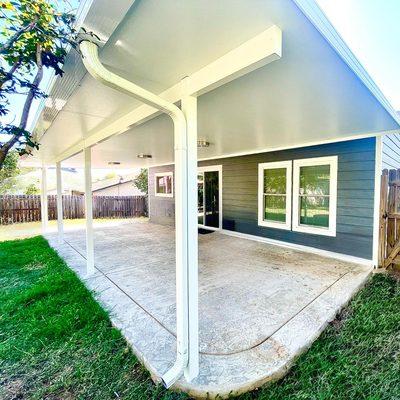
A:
[151,343]
[220,375]
[224,376]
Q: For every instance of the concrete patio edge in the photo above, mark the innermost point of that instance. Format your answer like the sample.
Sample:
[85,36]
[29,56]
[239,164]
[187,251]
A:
[226,374]
[304,322]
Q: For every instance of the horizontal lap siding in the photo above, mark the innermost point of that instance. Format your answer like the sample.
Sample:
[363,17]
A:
[391,151]
[161,209]
[356,172]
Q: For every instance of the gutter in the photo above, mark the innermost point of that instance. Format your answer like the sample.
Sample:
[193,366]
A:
[94,66]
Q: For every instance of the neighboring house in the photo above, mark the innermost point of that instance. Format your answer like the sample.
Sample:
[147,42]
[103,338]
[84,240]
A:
[117,186]
[72,181]
[292,135]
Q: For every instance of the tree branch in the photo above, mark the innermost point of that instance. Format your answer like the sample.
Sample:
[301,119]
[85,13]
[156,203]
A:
[4,149]
[9,75]
[10,42]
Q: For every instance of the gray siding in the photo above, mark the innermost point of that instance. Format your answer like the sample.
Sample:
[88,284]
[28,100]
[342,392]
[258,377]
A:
[356,172]
[391,151]
[161,209]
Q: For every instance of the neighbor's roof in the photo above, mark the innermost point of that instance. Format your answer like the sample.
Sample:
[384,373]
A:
[117,180]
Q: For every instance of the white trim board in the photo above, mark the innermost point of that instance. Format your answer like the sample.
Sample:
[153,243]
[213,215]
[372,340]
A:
[261,205]
[332,161]
[307,249]
[217,168]
[160,175]
[281,148]
[377,198]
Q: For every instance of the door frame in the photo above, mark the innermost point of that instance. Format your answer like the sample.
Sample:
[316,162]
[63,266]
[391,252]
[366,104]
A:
[214,168]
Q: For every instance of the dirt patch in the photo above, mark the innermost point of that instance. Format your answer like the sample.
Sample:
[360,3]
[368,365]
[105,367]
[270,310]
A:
[341,319]
[34,266]
[12,389]
[395,272]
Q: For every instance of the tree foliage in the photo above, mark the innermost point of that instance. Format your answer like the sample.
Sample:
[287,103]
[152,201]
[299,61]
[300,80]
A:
[9,173]
[35,34]
[141,180]
[32,189]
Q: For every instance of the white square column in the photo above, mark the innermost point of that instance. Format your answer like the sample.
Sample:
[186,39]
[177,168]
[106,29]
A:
[89,212]
[60,222]
[43,200]
[189,108]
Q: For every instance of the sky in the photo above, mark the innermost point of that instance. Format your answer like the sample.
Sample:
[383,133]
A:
[371,28]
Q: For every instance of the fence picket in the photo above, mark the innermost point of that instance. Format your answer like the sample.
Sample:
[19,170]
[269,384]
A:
[389,227]
[26,208]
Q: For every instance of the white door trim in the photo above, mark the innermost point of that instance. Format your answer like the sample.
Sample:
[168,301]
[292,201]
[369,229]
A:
[218,168]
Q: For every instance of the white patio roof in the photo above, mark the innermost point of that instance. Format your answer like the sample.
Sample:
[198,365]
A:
[312,94]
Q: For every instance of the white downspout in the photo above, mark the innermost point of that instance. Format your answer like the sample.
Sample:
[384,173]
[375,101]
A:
[100,73]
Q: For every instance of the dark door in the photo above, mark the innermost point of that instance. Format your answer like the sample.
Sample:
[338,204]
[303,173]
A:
[211,199]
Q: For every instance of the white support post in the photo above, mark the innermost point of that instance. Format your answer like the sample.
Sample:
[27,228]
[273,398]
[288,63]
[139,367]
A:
[89,212]
[378,174]
[189,108]
[60,222]
[43,200]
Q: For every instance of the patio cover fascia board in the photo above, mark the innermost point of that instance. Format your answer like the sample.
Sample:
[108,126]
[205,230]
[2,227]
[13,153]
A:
[321,22]
[249,56]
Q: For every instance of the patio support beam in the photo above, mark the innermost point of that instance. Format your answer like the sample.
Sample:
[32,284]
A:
[189,108]
[43,200]
[255,53]
[60,222]
[89,212]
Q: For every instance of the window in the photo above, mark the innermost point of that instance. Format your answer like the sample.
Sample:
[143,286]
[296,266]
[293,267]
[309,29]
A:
[314,195]
[164,185]
[274,194]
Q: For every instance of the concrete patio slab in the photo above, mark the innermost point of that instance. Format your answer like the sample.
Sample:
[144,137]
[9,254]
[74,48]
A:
[260,305]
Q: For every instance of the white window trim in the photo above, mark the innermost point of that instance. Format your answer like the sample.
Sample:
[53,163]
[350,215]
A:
[162,174]
[333,162]
[214,168]
[274,165]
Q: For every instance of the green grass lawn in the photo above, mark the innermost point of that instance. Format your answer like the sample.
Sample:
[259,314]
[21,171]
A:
[56,342]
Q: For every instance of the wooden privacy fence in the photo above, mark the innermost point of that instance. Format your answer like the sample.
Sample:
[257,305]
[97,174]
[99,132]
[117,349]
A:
[389,224]
[26,208]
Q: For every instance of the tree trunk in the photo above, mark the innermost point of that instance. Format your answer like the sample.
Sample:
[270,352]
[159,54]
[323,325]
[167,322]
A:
[27,107]
[3,155]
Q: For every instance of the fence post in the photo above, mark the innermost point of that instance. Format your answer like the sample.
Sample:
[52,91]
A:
[391,209]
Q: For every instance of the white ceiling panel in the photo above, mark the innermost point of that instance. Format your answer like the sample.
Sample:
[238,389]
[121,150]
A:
[309,95]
